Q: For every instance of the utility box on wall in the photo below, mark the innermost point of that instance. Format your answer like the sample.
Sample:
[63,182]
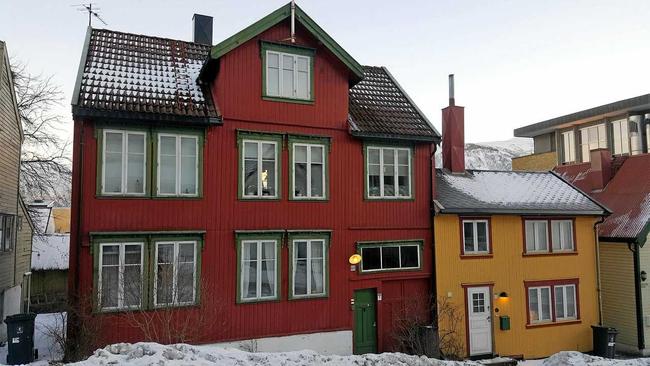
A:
[504,322]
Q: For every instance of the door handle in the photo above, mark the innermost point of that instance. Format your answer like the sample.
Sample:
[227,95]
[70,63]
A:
[374,324]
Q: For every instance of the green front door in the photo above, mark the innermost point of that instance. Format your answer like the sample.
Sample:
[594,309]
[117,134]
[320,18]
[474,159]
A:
[365,321]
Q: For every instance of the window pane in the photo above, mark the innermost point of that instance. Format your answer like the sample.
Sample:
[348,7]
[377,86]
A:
[370,258]
[249,271]
[165,274]
[188,165]
[250,150]
[482,238]
[268,278]
[250,251]
[287,76]
[317,249]
[132,285]
[468,230]
[113,163]
[541,235]
[301,154]
[132,254]
[571,301]
[110,278]
[559,302]
[317,180]
[390,257]
[567,235]
[403,183]
[409,256]
[317,276]
[373,156]
[110,255]
[268,178]
[250,168]
[167,165]
[317,154]
[273,74]
[389,172]
[185,283]
[268,250]
[530,236]
[186,252]
[546,303]
[300,277]
[302,85]
[300,183]
[135,164]
[533,304]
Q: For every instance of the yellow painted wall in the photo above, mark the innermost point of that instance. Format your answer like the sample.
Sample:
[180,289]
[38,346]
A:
[508,270]
[61,217]
[535,162]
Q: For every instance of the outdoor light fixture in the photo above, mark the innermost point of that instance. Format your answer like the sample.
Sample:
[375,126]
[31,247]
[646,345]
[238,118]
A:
[503,295]
[644,276]
[355,259]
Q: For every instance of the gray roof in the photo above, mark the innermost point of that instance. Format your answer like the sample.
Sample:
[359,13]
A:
[636,104]
[505,192]
[380,108]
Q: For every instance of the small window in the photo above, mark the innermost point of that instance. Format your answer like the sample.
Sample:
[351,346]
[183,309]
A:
[7,232]
[620,137]
[552,301]
[308,171]
[288,75]
[124,163]
[592,138]
[175,273]
[309,268]
[258,270]
[120,276]
[536,236]
[259,174]
[388,172]
[476,237]
[568,147]
[178,165]
[390,256]
[562,235]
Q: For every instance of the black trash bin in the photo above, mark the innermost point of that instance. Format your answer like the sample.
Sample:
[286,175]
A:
[604,341]
[20,338]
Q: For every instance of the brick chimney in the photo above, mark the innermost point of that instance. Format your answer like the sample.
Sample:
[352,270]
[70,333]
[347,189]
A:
[601,168]
[453,134]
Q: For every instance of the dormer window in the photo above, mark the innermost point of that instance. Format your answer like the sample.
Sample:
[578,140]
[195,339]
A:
[287,72]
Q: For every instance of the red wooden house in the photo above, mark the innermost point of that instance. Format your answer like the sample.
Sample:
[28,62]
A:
[230,184]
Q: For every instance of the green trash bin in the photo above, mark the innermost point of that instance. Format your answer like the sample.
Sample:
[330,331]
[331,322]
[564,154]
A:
[20,338]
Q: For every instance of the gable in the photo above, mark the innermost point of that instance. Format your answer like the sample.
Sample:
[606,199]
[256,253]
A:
[283,13]
[7,91]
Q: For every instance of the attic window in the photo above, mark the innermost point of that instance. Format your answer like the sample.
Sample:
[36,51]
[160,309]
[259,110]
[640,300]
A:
[287,72]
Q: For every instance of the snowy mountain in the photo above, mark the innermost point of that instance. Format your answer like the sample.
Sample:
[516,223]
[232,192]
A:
[495,155]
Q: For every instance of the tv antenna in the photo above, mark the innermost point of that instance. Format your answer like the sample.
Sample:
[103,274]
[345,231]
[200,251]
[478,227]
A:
[92,12]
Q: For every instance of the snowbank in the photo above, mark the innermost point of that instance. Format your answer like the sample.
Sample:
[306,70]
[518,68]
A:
[50,252]
[572,358]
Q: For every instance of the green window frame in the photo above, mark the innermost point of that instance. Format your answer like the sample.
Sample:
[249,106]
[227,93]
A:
[382,251]
[311,241]
[150,184]
[376,166]
[311,144]
[257,141]
[122,284]
[300,66]
[178,261]
[256,242]
[148,244]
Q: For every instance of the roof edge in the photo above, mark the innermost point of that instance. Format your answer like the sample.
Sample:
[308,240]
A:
[606,210]
[382,136]
[144,116]
[80,69]
[531,212]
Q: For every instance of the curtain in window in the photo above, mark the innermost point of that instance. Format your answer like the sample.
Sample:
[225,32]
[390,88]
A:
[374,167]
[165,274]
[317,264]
[250,168]
[185,274]
[188,165]
[268,269]
[300,183]
[110,273]
[132,275]
[268,169]
[113,162]
[249,270]
[300,268]
[135,163]
[389,172]
[167,165]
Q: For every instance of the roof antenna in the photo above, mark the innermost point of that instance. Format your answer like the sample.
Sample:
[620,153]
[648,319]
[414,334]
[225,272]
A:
[88,7]
[451,90]
[293,21]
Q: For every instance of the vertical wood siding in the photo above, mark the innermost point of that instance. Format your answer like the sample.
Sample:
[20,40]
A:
[350,217]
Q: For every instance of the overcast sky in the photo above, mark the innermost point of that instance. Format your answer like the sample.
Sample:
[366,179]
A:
[516,62]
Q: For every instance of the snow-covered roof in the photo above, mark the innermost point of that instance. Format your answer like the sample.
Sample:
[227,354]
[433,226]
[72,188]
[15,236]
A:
[40,213]
[50,251]
[506,192]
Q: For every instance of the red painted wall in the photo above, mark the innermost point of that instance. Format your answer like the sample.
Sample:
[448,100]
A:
[237,90]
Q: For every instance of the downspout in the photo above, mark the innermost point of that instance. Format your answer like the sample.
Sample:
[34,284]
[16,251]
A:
[598,280]
[434,290]
[634,248]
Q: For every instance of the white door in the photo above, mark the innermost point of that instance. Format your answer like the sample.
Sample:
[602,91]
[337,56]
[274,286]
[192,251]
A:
[479,320]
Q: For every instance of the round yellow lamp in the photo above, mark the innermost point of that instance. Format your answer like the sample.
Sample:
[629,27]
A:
[355,259]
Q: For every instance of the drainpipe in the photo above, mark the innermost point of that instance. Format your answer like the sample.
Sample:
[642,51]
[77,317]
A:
[434,290]
[634,248]
[598,282]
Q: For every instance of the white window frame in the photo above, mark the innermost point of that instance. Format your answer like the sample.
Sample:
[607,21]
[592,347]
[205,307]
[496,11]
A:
[120,281]
[295,58]
[175,264]
[309,260]
[536,224]
[125,156]
[569,147]
[396,151]
[601,142]
[571,229]
[565,304]
[258,282]
[242,172]
[621,143]
[309,195]
[551,305]
[381,257]
[179,167]
[474,223]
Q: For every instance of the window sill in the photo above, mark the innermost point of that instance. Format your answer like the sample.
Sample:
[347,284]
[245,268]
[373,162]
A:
[259,198]
[288,100]
[309,199]
[308,297]
[256,301]
[548,254]
[477,256]
[553,324]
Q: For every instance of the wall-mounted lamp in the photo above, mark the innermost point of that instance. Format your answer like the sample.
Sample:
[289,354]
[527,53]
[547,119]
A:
[644,276]
[355,259]
[503,295]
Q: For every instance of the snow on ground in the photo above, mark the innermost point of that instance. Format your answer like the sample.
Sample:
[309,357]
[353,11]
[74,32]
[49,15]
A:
[45,326]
